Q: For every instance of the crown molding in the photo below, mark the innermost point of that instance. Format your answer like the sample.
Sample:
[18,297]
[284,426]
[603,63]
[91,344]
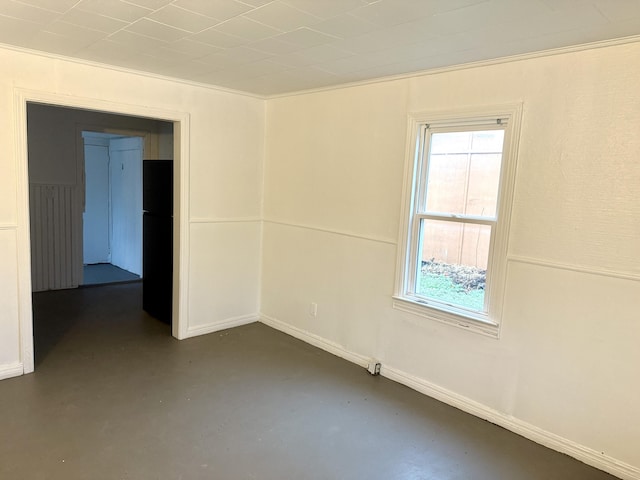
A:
[389,78]
[131,71]
[466,66]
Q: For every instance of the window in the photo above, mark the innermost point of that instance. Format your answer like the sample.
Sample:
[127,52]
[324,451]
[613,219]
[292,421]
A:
[459,181]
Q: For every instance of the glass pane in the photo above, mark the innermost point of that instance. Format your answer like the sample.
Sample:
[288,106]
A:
[487,141]
[452,267]
[450,142]
[464,172]
[482,189]
[446,183]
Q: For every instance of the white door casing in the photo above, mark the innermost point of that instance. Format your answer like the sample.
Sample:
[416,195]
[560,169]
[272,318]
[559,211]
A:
[181,204]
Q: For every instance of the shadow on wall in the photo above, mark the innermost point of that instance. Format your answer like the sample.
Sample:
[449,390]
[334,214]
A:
[56,184]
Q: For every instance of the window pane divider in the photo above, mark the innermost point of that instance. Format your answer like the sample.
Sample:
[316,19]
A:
[457,218]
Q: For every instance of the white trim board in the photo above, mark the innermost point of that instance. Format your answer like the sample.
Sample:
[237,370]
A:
[11,370]
[388,78]
[226,220]
[181,120]
[221,325]
[531,432]
[465,66]
[316,341]
[574,268]
[538,435]
[131,71]
[358,236]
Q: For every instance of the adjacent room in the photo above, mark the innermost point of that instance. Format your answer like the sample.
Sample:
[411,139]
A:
[401,239]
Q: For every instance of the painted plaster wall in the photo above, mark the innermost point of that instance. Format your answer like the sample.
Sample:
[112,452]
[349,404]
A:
[567,360]
[224,186]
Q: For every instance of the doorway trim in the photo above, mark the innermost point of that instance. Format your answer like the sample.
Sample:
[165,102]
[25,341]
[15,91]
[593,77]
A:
[181,135]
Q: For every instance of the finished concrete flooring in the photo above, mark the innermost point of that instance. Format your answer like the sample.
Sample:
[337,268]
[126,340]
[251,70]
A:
[114,396]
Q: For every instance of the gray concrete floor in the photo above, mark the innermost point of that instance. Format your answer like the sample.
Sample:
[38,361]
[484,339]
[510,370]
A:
[115,397]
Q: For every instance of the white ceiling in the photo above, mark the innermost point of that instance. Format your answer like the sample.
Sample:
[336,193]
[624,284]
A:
[272,47]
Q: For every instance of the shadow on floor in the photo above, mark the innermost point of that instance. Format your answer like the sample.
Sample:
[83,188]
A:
[57,312]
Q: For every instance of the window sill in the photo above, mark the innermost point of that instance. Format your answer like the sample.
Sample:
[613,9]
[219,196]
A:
[469,323]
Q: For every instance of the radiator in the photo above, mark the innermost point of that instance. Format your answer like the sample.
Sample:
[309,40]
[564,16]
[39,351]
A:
[55,263]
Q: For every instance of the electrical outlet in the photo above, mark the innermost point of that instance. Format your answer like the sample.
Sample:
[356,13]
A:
[374,368]
[313,309]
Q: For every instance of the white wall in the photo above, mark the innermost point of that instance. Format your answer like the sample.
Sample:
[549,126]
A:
[566,363]
[565,370]
[125,179]
[95,219]
[98,215]
[225,153]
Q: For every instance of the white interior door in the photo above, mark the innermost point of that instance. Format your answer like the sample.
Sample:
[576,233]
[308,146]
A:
[96,211]
[126,203]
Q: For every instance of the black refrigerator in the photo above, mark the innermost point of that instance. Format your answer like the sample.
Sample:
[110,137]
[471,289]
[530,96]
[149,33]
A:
[157,238]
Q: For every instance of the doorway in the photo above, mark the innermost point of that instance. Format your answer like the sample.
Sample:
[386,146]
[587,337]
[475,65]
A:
[112,216]
[67,185]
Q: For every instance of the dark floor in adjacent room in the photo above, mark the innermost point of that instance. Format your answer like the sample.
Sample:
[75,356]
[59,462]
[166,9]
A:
[114,396]
[103,273]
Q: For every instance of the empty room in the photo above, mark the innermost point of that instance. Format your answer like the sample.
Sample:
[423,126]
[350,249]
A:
[397,239]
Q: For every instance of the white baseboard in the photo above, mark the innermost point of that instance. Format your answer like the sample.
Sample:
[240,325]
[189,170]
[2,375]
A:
[316,341]
[555,442]
[11,370]
[221,325]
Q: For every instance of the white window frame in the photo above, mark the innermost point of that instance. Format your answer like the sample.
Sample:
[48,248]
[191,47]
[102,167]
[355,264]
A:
[509,118]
